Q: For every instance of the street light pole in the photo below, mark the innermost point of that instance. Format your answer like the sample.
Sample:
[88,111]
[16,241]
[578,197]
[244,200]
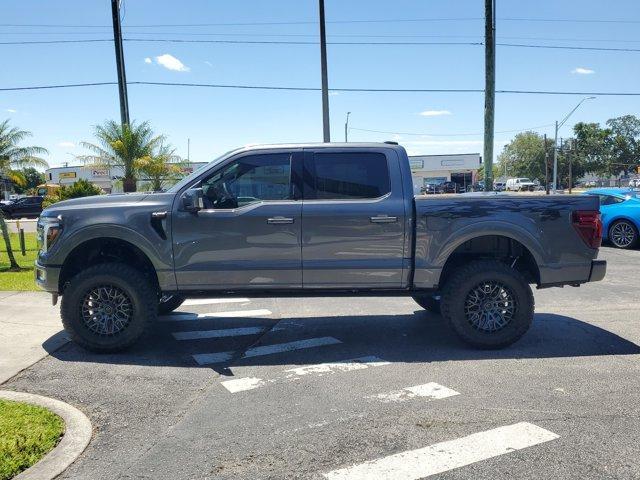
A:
[555,142]
[346,128]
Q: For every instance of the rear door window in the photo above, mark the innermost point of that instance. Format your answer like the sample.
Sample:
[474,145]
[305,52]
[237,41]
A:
[346,176]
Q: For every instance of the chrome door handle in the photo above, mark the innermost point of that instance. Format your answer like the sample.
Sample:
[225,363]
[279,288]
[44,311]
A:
[383,219]
[279,220]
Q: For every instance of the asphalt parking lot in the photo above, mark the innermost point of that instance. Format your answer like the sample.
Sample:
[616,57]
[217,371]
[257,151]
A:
[363,388]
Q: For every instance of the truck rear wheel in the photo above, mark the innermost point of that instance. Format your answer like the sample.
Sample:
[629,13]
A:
[168,303]
[488,304]
[428,302]
[106,307]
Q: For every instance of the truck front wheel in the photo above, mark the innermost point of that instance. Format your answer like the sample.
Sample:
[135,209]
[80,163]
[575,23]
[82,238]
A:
[106,307]
[488,304]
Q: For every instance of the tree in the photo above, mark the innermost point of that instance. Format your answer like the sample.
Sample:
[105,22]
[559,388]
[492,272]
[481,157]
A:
[122,145]
[524,156]
[80,188]
[625,141]
[12,157]
[160,168]
[594,149]
[32,178]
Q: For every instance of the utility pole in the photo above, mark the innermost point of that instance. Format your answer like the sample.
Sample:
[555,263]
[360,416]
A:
[555,143]
[572,149]
[188,150]
[122,77]
[489,89]
[546,165]
[346,128]
[326,134]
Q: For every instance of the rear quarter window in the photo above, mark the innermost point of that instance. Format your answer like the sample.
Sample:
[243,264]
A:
[344,176]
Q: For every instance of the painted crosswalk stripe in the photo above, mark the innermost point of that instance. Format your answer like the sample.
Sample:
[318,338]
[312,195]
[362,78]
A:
[445,456]
[251,383]
[431,390]
[213,301]
[218,357]
[187,317]
[220,333]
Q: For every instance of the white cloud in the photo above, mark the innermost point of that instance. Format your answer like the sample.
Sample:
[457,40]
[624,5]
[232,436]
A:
[147,60]
[582,71]
[171,63]
[11,110]
[435,113]
[67,144]
[207,62]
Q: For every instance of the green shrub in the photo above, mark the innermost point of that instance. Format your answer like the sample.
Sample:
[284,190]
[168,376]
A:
[81,188]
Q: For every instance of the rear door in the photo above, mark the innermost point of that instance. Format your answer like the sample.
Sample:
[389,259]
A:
[353,219]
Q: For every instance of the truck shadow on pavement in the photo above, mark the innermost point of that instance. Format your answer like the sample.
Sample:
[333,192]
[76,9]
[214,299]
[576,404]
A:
[421,337]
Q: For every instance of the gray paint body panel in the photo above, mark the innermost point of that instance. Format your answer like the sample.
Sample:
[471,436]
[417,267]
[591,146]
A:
[331,244]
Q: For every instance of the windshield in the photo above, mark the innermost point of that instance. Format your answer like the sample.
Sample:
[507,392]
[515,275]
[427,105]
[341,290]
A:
[522,180]
[189,178]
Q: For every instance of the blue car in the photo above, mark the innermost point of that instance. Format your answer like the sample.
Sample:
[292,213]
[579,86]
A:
[620,211]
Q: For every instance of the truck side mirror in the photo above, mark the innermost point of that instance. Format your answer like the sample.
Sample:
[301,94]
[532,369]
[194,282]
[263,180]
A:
[192,200]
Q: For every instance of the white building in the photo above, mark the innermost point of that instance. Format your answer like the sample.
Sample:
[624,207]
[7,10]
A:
[433,169]
[105,178]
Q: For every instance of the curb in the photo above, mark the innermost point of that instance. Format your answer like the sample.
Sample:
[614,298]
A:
[76,437]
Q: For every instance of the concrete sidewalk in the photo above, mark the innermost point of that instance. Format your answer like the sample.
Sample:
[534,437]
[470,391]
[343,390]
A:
[30,327]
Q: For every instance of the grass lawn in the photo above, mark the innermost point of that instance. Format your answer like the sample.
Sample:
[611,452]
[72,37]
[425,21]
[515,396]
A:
[22,280]
[27,433]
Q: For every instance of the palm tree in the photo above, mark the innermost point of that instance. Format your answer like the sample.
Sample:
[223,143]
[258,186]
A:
[13,156]
[122,146]
[160,168]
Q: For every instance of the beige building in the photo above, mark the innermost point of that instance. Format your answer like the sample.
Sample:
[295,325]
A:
[433,169]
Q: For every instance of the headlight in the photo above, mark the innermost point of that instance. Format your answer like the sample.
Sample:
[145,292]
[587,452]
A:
[48,231]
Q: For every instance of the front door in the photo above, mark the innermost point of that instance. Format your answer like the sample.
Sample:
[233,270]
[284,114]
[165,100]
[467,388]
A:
[353,229]
[248,234]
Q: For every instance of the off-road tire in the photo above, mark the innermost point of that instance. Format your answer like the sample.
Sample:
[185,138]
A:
[461,283]
[139,290]
[170,305]
[428,302]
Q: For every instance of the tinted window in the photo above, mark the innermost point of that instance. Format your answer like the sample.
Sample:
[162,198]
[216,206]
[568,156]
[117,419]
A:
[609,200]
[248,180]
[349,176]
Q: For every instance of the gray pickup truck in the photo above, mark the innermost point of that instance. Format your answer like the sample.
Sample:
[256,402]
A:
[312,220]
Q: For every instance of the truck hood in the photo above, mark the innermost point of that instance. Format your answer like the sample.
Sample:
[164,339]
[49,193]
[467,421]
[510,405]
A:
[101,201]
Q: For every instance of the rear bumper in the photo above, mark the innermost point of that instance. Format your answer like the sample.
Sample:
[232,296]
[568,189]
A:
[598,270]
[46,277]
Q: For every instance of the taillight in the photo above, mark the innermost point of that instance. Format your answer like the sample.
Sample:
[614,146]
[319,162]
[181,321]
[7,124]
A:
[589,225]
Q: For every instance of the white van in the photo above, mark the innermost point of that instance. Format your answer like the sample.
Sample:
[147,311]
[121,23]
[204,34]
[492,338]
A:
[520,185]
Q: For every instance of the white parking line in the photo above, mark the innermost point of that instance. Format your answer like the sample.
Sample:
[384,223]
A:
[209,358]
[213,301]
[433,391]
[225,332]
[184,317]
[445,456]
[243,384]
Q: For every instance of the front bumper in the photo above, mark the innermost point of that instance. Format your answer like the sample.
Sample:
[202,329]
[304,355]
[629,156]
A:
[46,277]
[598,270]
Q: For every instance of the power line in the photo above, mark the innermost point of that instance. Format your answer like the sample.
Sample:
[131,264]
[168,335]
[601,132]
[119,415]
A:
[449,134]
[353,21]
[289,42]
[314,89]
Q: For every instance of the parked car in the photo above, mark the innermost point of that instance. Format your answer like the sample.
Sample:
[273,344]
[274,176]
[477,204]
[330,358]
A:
[450,187]
[431,189]
[29,207]
[620,211]
[325,220]
[520,185]
[499,186]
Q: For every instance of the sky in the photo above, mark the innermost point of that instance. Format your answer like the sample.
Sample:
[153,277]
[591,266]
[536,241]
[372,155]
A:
[217,120]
